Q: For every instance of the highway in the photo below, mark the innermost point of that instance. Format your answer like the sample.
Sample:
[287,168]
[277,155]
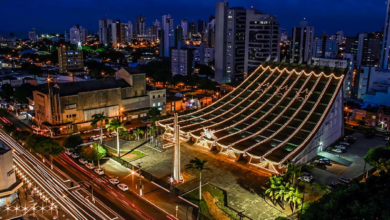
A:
[108,203]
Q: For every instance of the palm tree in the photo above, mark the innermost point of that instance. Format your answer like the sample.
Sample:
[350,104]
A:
[294,197]
[282,192]
[272,191]
[294,170]
[126,135]
[137,132]
[198,164]
[116,125]
[96,118]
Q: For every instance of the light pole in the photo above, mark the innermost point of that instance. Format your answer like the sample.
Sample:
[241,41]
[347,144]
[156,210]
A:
[140,180]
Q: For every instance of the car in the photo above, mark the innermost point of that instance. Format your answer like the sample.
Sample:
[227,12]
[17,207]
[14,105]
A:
[122,187]
[147,120]
[305,179]
[113,134]
[342,147]
[114,181]
[96,129]
[308,175]
[81,160]
[90,166]
[87,131]
[95,138]
[109,135]
[76,133]
[86,140]
[336,150]
[344,180]
[68,152]
[344,143]
[104,136]
[75,156]
[99,171]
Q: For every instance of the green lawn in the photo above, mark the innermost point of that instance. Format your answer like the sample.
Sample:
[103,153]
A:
[193,196]
[134,155]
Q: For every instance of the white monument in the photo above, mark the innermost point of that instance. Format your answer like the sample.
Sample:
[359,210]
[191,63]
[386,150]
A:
[176,163]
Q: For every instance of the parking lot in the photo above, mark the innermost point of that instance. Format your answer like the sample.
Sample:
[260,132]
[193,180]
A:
[355,154]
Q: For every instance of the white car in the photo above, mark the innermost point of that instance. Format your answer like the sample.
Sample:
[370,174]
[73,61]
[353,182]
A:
[90,166]
[68,152]
[336,150]
[123,187]
[87,131]
[344,143]
[344,180]
[308,175]
[114,181]
[99,171]
[95,138]
[96,129]
[342,147]
[113,134]
[305,179]
[81,160]
[104,136]
[75,156]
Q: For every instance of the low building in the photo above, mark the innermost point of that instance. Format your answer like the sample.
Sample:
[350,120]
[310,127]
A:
[9,185]
[68,107]
[374,86]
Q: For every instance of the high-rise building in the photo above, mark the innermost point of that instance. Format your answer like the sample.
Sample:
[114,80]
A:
[184,25]
[191,29]
[168,35]
[244,38]
[70,60]
[302,42]
[116,33]
[130,32]
[384,63]
[155,29]
[32,35]
[325,47]
[366,48]
[178,35]
[261,40]
[140,26]
[77,34]
[201,26]
[182,60]
[104,34]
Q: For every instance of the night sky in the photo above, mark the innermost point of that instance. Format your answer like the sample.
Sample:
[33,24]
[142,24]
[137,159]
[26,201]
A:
[56,16]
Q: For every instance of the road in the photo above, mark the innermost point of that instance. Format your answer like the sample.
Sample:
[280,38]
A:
[77,201]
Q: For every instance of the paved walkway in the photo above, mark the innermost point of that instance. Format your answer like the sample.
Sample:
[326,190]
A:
[242,182]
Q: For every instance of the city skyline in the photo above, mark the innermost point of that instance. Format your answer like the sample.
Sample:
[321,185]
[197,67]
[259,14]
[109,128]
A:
[365,16]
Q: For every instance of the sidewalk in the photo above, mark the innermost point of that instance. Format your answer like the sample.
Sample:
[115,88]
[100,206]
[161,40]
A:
[160,197]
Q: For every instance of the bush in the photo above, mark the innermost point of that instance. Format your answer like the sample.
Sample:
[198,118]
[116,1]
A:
[72,141]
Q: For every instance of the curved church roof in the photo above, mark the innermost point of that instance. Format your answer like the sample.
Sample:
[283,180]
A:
[272,115]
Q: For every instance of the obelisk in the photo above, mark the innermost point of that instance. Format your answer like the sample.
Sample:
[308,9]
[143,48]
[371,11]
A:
[176,162]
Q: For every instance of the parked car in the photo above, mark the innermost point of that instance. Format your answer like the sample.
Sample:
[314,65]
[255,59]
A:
[305,179]
[123,187]
[342,147]
[344,180]
[90,166]
[114,181]
[308,175]
[146,120]
[75,156]
[76,133]
[99,171]
[87,131]
[113,134]
[95,138]
[104,136]
[86,140]
[68,152]
[325,160]
[336,150]
[344,143]
[96,129]
[81,160]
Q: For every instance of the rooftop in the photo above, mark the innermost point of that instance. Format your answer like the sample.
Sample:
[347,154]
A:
[133,70]
[73,88]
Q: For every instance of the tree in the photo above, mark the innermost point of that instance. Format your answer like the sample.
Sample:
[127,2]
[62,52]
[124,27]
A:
[360,200]
[206,84]
[154,112]
[294,197]
[99,118]
[126,135]
[378,157]
[283,190]
[22,92]
[152,131]
[7,92]
[199,165]
[293,171]
[272,191]
[93,152]
[206,70]
[137,132]
[115,126]
[72,141]
[323,188]
[21,135]
[44,145]
[302,208]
